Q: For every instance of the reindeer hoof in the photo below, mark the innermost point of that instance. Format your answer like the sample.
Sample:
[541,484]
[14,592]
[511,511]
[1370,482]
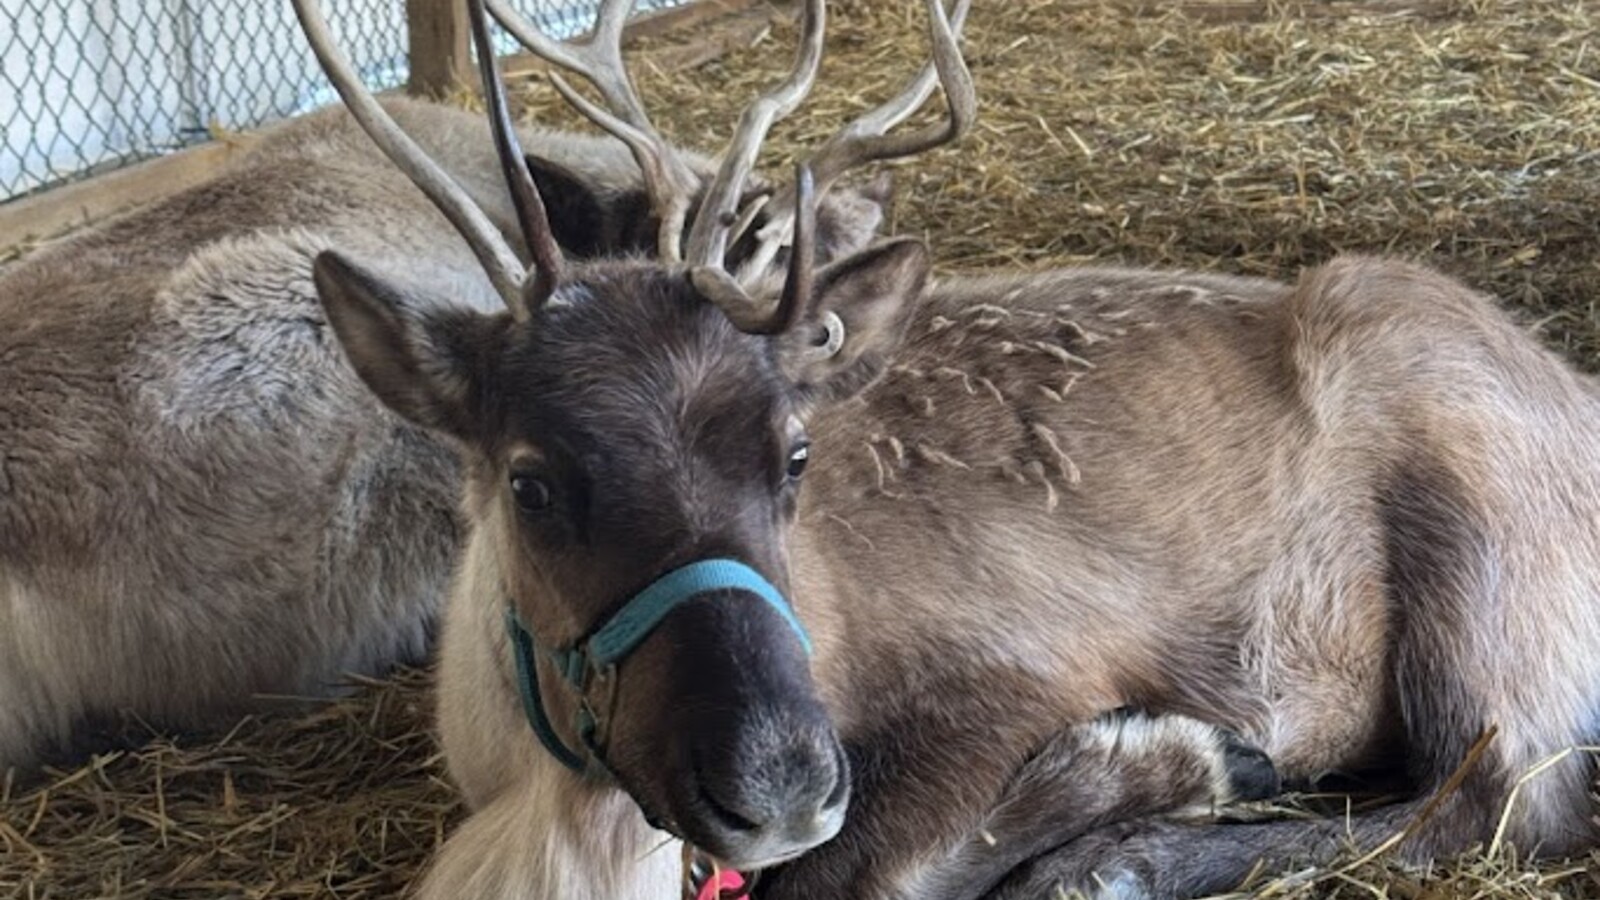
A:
[1251,774]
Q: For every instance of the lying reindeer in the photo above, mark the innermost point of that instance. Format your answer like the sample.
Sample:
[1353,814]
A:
[1353,519]
[199,502]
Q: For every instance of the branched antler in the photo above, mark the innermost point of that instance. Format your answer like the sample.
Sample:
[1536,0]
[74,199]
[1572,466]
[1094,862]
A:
[708,241]
[522,289]
[669,181]
[532,217]
[866,139]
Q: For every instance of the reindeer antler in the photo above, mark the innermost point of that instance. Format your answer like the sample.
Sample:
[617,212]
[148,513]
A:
[801,279]
[498,260]
[531,214]
[713,226]
[866,139]
[669,181]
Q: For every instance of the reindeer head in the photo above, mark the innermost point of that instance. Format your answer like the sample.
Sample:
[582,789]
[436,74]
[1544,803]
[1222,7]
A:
[635,440]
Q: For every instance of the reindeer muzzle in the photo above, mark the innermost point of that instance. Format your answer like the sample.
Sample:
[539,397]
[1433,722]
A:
[590,664]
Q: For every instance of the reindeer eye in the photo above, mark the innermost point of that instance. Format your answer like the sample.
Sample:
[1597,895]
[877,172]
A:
[532,495]
[798,457]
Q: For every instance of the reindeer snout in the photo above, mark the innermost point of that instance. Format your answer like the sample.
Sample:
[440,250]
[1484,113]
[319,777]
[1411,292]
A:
[772,788]
[729,741]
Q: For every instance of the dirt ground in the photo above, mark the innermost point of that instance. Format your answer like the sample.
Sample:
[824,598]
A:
[1233,136]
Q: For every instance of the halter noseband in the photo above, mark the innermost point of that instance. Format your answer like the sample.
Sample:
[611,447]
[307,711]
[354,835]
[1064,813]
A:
[591,662]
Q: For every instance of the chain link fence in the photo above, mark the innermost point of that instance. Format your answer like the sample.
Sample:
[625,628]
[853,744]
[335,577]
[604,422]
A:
[89,85]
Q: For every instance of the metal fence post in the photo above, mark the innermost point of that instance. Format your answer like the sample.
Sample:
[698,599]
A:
[440,61]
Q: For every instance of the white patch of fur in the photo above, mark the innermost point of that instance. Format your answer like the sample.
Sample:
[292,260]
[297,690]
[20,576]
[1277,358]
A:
[556,836]
[537,830]
[1140,735]
[1117,885]
[236,329]
[239,330]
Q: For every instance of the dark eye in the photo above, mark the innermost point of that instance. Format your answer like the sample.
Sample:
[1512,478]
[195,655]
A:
[798,457]
[532,494]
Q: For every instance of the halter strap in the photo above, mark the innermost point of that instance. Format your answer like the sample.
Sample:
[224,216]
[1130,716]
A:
[600,653]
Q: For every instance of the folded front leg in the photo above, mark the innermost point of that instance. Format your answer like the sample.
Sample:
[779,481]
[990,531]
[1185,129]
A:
[904,843]
[1145,860]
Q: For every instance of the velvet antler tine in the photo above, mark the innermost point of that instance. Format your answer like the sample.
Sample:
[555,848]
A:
[499,262]
[532,218]
[669,181]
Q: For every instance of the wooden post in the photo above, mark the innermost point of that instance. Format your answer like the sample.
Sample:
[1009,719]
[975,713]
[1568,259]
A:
[440,59]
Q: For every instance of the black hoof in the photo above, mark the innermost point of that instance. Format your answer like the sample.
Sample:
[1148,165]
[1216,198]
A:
[1251,774]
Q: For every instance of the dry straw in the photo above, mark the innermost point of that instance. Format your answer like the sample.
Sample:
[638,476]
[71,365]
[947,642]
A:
[1237,136]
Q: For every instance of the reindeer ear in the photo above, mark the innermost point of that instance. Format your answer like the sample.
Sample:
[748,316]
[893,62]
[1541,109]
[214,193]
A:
[426,365]
[855,321]
[589,221]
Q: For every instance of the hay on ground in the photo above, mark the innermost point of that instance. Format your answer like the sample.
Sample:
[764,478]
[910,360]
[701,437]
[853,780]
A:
[1234,136]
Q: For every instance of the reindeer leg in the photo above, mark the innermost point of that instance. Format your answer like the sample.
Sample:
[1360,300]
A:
[1119,767]
[1113,769]
[1153,858]
[1131,860]
[1467,586]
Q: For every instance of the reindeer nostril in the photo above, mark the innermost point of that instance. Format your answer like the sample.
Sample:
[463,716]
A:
[731,818]
[734,820]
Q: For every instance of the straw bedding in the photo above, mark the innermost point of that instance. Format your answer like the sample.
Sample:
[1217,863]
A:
[1235,136]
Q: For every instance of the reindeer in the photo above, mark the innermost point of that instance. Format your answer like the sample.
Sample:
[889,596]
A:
[199,501]
[1347,524]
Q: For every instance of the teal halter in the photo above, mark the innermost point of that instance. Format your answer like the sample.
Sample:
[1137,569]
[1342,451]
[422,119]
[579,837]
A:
[592,661]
